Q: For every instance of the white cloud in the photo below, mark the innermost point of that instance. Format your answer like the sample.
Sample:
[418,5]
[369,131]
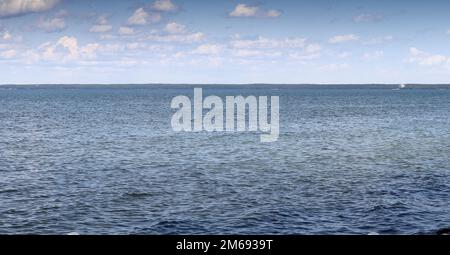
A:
[177,38]
[448,32]
[107,37]
[273,13]
[180,54]
[141,17]
[18,7]
[379,40]
[244,10]
[8,53]
[100,28]
[102,25]
[48,51]
[266,43]
[309,52]
[247,53]
[135,46]
[89,51]
[343,38]
[365,17]
[30,56]
[164,6]
[207,49]
[426,59]
[115,48]
[6,36]
[296,48]
[373,55]
[4,46]
[66,49]
[123,30]
[313,48]
[112,48]
[175,28]
[304,56]
[102,20]
[52,25]
[71,44]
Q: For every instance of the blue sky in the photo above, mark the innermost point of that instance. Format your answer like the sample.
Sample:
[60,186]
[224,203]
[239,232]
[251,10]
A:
[224,41]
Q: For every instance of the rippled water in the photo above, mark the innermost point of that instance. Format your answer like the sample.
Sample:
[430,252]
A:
[104,160]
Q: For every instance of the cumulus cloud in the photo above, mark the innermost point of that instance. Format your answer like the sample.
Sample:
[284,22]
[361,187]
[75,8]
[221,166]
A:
[313,48]
[6,36]
[55,23]
[10,8]
[207,49]
[135,46]
[8,54]
[343,38]
[309,52]
[246,53]
[123,30]
[71,44]
[244,10]
[273,14]
[366,18]
[142,17]
[266,43]
[303,57]
[52,25]
[10,39]
[67,49]
[178,38]
[373,55]
[379,40]
[423,58]
[175,28]
[101,26]
[89,51]
[164,6]
[296,48]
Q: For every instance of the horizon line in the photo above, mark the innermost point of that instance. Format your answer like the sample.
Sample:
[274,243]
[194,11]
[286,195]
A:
[222,84]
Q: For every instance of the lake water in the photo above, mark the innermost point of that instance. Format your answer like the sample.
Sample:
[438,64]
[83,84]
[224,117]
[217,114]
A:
[104,160]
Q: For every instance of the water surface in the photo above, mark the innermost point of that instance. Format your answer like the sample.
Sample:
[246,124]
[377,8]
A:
[104,160]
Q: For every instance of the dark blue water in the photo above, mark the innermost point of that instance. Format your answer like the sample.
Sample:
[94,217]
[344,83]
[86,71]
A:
[104,160]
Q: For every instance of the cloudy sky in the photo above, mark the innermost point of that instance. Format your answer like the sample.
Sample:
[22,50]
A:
[224,41]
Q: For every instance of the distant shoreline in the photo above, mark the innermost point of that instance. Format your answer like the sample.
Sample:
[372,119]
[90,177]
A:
[250,85]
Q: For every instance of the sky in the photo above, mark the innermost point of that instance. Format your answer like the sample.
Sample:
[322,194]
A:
[224,41]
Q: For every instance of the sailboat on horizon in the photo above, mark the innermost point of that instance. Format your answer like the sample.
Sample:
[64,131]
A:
[400,86]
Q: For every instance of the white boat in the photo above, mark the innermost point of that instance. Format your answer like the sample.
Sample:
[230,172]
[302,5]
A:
[402,86]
